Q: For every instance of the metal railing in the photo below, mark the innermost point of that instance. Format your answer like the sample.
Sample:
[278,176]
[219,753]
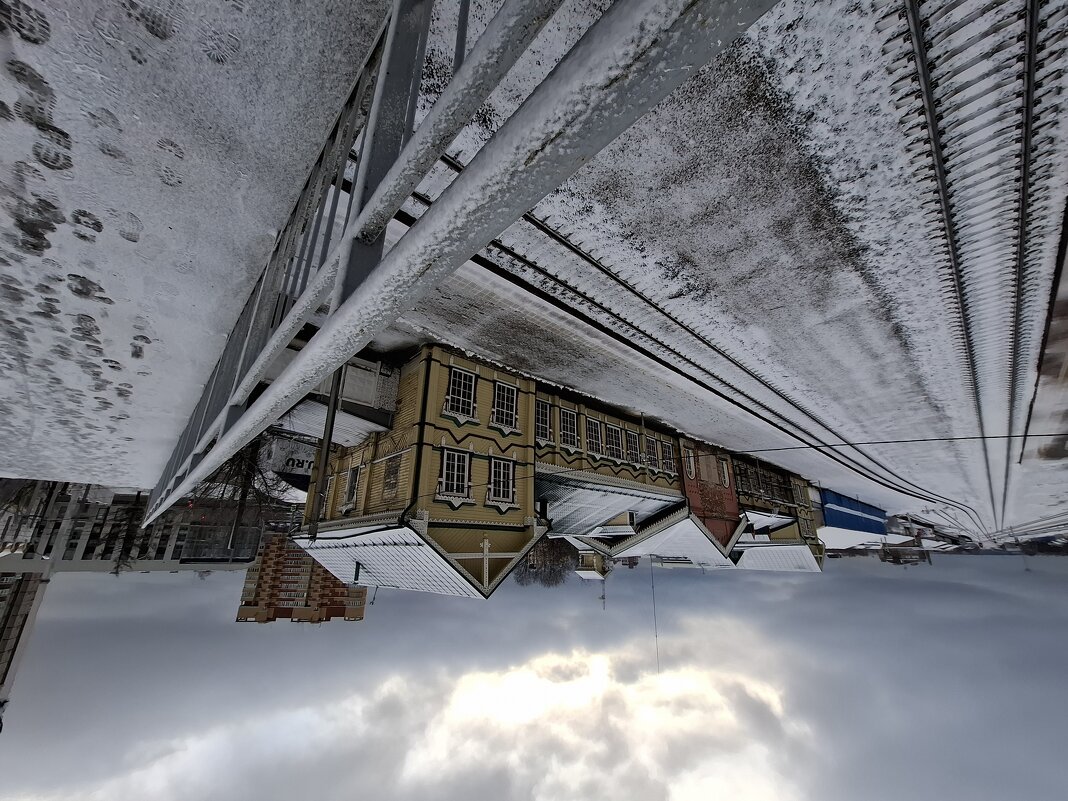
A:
[632,57]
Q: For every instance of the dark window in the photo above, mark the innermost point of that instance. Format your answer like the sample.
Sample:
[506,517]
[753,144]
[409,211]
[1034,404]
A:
[391,477]
[633,451]
[352,484]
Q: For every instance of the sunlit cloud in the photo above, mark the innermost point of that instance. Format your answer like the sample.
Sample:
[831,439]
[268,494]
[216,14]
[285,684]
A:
[558,726]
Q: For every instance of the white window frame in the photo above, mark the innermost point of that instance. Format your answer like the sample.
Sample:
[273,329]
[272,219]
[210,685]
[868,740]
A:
[500,416]
[667,457]
[458,406]
[459,458]
[596,448]
[569,439]
[652,453]
[501,499]
[634,454]
[610,450]
[543,431]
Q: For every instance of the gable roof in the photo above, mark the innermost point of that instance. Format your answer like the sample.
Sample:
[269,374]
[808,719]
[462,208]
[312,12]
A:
[395,557]
[685,539]
[789,558]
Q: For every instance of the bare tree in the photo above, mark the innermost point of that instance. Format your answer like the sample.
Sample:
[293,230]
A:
[548,563]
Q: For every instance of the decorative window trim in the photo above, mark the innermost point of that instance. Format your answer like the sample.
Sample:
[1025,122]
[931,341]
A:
[454,499]
[503,425]
[501,503]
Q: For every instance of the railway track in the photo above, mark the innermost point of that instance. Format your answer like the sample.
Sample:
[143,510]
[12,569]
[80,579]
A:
[507,260]
[978,93]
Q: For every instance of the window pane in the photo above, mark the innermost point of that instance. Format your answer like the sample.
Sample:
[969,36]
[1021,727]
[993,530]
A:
[461,398]
[391,477]
[351,485]
[669,456]
[502,480]
[593,435]
[613,439]
[504,405]
[651,457]
[569,428]
[633,454]
[542,424]
[454,473]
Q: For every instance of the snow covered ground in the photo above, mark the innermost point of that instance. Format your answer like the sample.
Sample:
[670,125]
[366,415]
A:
[148,152]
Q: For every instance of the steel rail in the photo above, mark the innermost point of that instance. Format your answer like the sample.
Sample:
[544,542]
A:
[785,425]
[636,54]
[923,75]
[543,227]
[505,39]
[1020,267]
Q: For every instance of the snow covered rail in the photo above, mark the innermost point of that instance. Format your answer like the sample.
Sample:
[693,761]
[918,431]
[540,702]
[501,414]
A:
[979,92]
[631,58]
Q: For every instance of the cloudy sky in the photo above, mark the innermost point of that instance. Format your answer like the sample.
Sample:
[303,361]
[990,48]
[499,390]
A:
[867,682]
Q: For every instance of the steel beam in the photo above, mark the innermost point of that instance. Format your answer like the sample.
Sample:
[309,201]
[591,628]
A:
[636,54]
[505,39]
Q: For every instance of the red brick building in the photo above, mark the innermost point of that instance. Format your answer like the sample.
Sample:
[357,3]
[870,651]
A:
[286,583]
[708,483]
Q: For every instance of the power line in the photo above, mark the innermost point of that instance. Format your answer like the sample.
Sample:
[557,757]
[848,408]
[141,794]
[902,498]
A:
[899,442]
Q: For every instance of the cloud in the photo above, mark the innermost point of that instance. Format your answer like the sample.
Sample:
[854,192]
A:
[558,726]
[865,682]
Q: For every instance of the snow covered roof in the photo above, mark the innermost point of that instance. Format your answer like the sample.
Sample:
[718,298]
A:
[394,557]
[580,502]
[685,539]
[309,417]
[783,558]
[844,538]
[761,520]
[590,575]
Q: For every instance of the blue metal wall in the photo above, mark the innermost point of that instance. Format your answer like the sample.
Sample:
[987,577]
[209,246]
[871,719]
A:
[843,512]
